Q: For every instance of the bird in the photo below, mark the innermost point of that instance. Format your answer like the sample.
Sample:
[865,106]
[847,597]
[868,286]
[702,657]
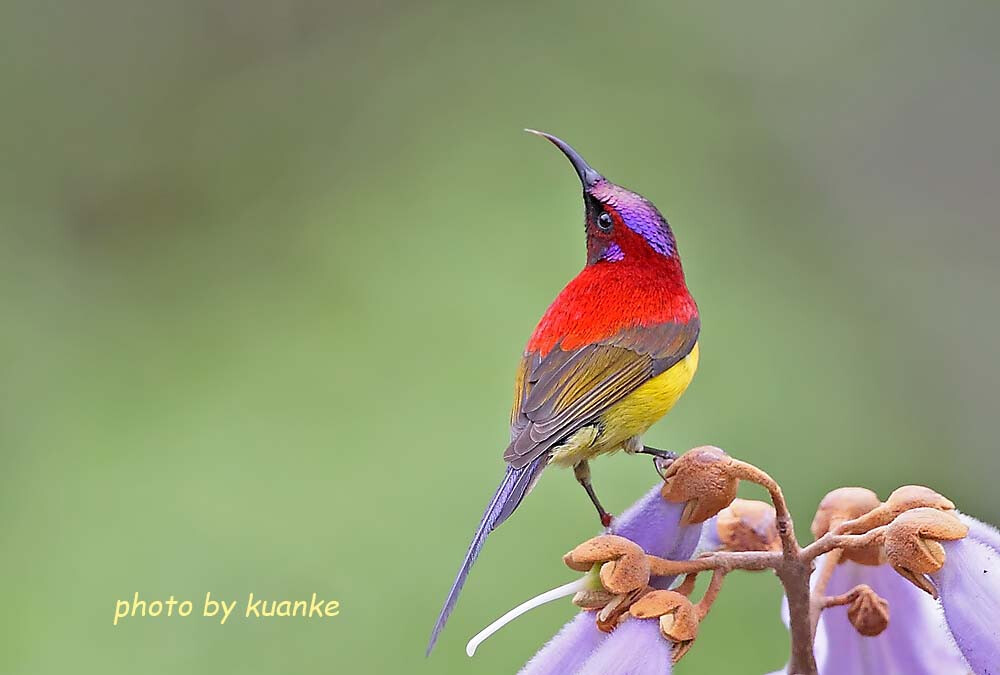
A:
[611,355]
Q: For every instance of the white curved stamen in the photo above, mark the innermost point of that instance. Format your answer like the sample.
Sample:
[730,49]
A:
[548,596]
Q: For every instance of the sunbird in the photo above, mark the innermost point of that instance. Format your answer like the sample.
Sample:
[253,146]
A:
[611,355]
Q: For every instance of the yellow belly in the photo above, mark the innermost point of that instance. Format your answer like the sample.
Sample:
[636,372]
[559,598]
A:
[631,417]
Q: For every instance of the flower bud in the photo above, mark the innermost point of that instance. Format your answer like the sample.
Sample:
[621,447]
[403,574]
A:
[868,613]
[747,525]
[843,505]
[677,616]
[840,505]
[703,480]
[912,543]
[635,646]
[624,567]
[917,496]
[901,500]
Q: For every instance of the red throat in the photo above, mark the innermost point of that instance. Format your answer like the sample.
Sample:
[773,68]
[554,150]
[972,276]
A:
[607,298]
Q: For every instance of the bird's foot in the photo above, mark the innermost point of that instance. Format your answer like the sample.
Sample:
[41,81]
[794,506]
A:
[662,459]
[661,465]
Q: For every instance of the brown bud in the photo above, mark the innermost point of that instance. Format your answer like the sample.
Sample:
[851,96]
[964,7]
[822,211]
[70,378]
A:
[843,505]
[901,500]
[677,616]
[840,505]
[624,567]
[748,525]
[703,480]
[912,543]
[917,496]
[868,613]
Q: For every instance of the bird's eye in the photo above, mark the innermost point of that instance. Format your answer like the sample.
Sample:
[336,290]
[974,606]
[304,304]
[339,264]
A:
[604,222]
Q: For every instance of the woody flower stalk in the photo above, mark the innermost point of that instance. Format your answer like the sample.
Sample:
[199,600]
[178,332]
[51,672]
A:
[869,595]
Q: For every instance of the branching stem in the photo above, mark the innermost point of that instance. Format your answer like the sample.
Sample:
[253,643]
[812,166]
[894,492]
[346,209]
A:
[783,519]
[830,541]
[793,565]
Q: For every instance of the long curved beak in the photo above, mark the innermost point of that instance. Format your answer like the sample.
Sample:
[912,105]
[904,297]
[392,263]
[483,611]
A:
[587,175]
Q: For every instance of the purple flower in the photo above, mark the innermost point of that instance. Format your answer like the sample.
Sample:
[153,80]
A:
[916,641]
[569,649]
[634,648]
[709,542]
[981,532]
[654,525]
[969,588]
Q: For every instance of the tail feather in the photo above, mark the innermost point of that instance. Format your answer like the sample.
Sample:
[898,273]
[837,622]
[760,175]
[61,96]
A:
[515,485]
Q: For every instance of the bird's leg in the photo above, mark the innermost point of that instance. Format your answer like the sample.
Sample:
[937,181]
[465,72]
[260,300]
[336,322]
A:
[582,472]
[662,454]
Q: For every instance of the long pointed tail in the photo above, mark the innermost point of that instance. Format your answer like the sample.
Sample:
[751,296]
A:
[515,484]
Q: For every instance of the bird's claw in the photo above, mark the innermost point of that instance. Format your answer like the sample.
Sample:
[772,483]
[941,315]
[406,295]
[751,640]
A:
[661,464]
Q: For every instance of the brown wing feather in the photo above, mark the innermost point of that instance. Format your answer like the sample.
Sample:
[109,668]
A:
[556,395]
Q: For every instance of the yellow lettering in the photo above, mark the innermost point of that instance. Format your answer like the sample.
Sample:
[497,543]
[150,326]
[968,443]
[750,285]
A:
[119,613]
[210,604]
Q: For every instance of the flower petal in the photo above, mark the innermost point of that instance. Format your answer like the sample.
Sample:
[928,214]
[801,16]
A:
[634,648]
[981,531]
[567,651]
[654,524]
[969,588]
[709,541]
[916,641]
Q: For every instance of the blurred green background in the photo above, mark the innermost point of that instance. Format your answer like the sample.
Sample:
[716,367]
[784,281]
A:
[268,268]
